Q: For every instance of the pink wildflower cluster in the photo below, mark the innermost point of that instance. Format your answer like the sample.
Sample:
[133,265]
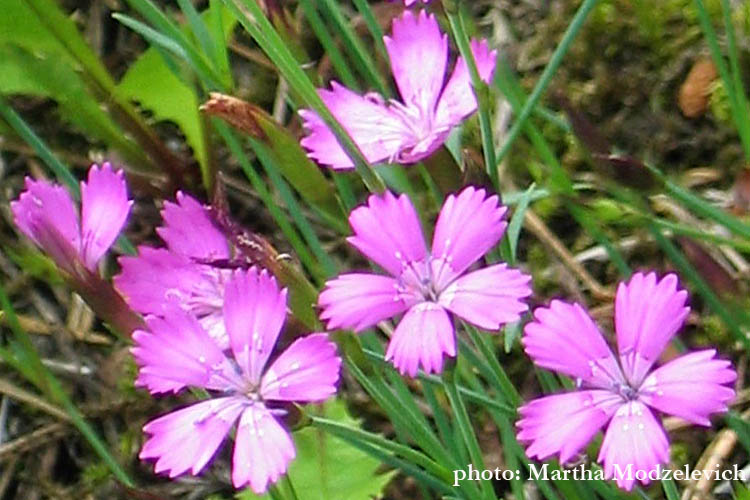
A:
[212,323]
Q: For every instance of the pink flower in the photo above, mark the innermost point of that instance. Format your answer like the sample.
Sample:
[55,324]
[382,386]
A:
[181,275]
[177,352]
[409,3]
[409,130]
[46,213]
[620,395]
[426,285]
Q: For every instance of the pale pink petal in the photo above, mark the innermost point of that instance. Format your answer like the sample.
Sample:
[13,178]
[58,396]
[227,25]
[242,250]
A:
[155,279]
[563,338]
[635,439]
[387,230]
[176,352]
[189,230]
[360,300]
[424,334]
[104,210]
[306,371]
[562,424]
[254,312]
[187,439]
[262,450]
[489,297]
[45,213]
[418,53]
[468,226]
[376,129]
[457,100]
[691,387]
[647,315]
[158,280]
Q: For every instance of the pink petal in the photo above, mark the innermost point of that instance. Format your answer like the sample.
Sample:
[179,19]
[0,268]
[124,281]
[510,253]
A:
[104,210]
[468,226]
[187,439]
[158,280]
[423,335]
[387,230]
[45,213]
[360,300]
[647,315]
[307,370]
[254,312]
[458,100]
[563,338]
[377,130]
[189,230]
[690,387]
[176,352]
[154,280]
[633,438]
[562,424]
[489,297]
[262,450]
[418,53]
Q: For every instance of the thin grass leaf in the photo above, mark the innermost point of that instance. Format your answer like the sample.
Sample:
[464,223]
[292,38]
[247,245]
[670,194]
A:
[363,6]
[670,489]
[360,54]
[351,434]
[168,30]
[61,171]
[257,25]
[546,77]
[726,76]
[457,20]
[463,423]
[329,45]
[516,222]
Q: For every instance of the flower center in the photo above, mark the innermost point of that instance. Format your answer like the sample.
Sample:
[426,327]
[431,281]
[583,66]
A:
[627,392]
[416,280]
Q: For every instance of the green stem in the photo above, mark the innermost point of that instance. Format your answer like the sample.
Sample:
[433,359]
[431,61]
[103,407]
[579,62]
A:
[544,80]
[481,92]
[252,18]
[466,430]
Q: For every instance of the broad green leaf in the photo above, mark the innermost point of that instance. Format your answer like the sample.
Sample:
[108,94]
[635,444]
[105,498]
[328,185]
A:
[50,75]
[151,83]
[154,85]
[327,468]
[20,26]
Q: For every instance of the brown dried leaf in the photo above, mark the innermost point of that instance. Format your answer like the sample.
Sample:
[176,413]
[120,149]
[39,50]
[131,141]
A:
[236,112]
[710,270]
[695,90]
[741,192]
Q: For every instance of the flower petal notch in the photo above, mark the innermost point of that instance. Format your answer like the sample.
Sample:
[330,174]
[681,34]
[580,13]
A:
[46,213]
[177,352]
[430,287]
[621,393]
[407,130]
